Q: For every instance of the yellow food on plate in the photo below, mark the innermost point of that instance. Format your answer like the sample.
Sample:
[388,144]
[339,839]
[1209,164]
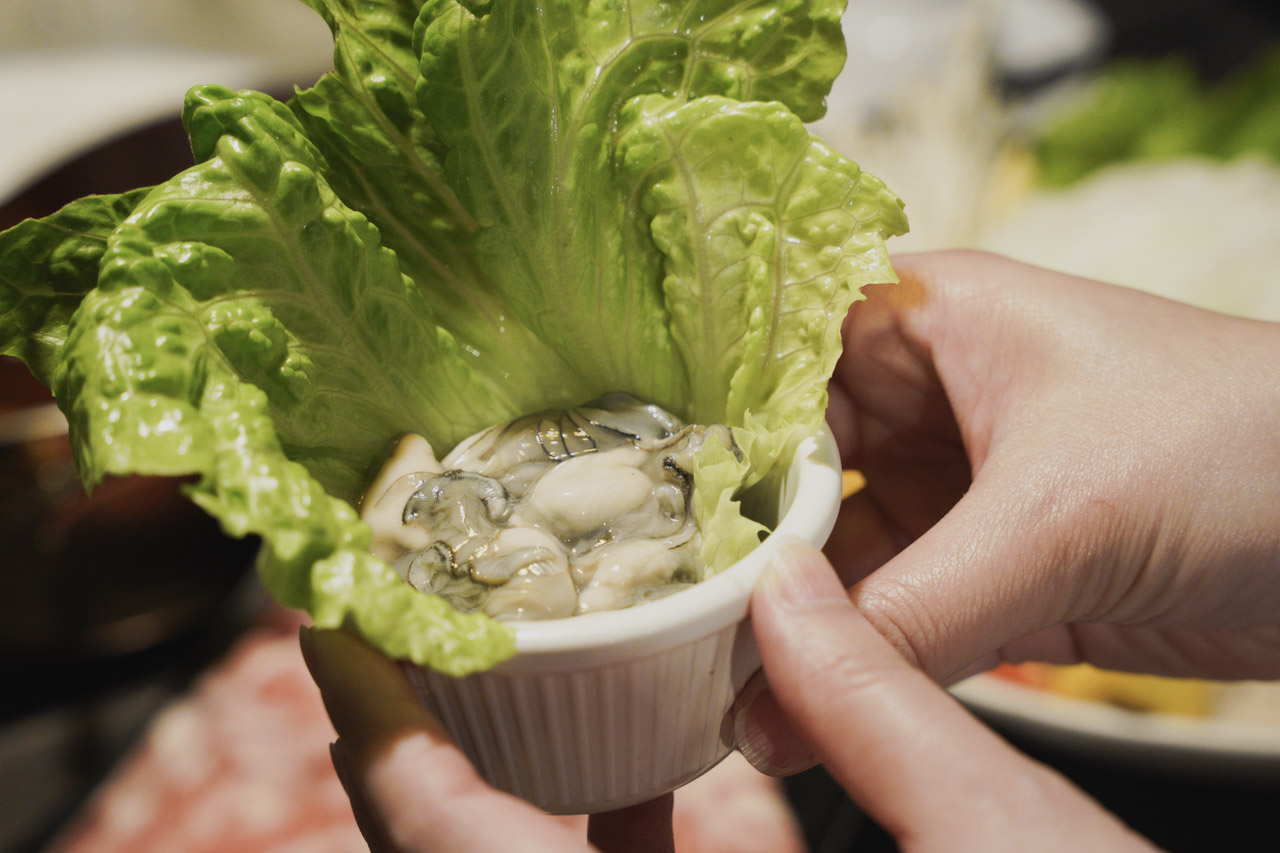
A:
[851,482]
[1186,696]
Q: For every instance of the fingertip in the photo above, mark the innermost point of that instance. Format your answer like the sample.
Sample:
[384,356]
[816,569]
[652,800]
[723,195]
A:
[798,589]
[307,646]
[366,694]
[764,735]
[798,576]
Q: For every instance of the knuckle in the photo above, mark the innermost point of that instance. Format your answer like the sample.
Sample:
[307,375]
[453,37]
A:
[901,614]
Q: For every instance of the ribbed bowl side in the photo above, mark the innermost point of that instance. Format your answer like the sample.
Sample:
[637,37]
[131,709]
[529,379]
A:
[594,740]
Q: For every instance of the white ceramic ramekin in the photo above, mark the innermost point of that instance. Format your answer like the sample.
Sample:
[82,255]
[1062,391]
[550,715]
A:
[609,709]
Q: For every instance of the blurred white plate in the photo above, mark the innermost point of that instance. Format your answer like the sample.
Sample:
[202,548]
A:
[59,104]
[1194,230]
[1165,741]
[77,73]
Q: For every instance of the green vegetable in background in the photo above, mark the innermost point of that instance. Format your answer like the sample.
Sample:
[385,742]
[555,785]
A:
[485,210]
[1149,110]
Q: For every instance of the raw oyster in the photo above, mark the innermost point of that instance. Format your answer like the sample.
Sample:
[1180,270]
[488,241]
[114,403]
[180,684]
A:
[549,515]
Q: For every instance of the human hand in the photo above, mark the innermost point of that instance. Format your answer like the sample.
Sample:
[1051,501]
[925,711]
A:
[930,774]
[1057,470]
[413,790]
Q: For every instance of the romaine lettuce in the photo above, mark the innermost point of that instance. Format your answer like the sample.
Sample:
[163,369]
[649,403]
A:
[486,209]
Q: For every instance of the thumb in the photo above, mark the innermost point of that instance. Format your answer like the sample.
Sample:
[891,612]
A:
[902,747]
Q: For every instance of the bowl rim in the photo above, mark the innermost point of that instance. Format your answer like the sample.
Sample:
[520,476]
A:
[808,504]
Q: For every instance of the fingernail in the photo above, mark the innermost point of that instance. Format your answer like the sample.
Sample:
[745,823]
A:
[317,661]
[765,736]
[798,575]
[341,766]
[366,818]
[307,644]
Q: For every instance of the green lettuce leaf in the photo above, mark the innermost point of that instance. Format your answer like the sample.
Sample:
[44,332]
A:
[250,328]
[46,268]
[388,165]
[484,210]
[757,276]
[767,236]
[528,98]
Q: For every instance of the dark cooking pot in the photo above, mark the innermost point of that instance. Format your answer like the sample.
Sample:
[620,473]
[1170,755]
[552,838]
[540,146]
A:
[88,577]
